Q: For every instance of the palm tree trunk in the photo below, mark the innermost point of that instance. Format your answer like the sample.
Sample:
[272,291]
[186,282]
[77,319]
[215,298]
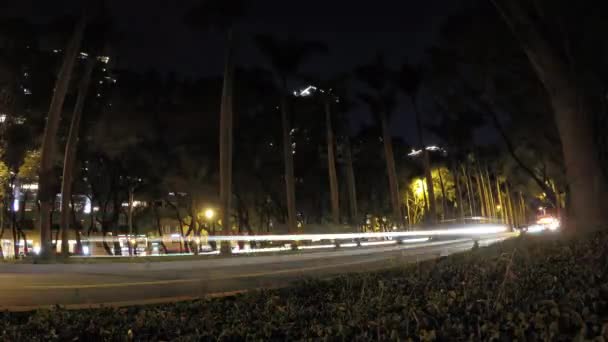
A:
[426,163]
[522,208]
[429,185]
[69,157]
[484,189]
[558,208]
[46,193]
[226,142]
[510,205]
[350,179]
[500,204]
[490,193]
[459,192]
[194,227]
[481,194]
[469,186]
[407,208]
[130,219]
[331,165]
[444,206]
[391,170]
[290,190]
[572,114]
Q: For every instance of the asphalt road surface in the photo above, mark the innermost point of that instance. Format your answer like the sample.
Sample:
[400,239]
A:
[26,287]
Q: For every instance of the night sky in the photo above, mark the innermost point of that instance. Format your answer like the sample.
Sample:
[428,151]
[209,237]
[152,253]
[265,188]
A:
[154,35]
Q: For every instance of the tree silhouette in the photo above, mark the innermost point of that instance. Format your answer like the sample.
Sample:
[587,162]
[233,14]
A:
[285,58]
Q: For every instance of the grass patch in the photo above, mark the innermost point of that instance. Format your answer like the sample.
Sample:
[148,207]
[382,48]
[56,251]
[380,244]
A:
[527,289]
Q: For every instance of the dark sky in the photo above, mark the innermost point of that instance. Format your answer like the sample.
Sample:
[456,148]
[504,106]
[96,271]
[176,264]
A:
[156,37]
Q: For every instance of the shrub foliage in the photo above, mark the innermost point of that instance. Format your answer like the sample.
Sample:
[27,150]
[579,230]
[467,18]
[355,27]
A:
[527,289]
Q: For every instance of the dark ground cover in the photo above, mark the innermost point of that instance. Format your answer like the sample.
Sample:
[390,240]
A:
[527,289]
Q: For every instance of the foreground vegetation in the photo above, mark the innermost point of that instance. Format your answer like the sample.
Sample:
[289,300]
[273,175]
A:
[532,288]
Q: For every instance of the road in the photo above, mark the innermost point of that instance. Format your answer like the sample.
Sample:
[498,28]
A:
[26,287]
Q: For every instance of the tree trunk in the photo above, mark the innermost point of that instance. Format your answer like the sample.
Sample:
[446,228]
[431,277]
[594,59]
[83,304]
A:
[510,205]
[46,195]
[331,165]
[429,185]
[459,193]
[426,162]
[290,189]
[469,187]
[481,194]
[69,157]
[106,246]
[350,179]
[14,232]
[490,193]
[573,117]
[484,189]
[501,205]
[226,141]
[159,228]
[407,209]
[444,206]
[194,227]
[130,219]
[77,229]
[391,171]
[523,208]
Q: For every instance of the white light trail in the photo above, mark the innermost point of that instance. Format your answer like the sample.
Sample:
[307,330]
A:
[378,243]
[467,230]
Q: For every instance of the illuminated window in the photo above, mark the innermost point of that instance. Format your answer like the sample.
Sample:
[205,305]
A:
[104,59]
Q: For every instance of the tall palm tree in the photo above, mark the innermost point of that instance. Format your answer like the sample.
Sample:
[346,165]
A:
[285,57]
[330,91]
[331,161]
[344,106]
[222,14]
[350,180]
[70,155]
[572,111]
[46,194]
[381,100]
[410,81]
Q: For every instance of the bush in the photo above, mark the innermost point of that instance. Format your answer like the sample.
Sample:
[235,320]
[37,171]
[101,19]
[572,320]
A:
[528,289]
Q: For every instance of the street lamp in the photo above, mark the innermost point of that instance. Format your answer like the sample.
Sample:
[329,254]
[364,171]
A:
[209,213]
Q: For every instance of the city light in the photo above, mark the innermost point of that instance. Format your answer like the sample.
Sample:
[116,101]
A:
[209,213]
[31,186]
[87,206]
[306,91]
[431,148]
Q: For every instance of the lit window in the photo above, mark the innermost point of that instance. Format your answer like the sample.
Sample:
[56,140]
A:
[104,59]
